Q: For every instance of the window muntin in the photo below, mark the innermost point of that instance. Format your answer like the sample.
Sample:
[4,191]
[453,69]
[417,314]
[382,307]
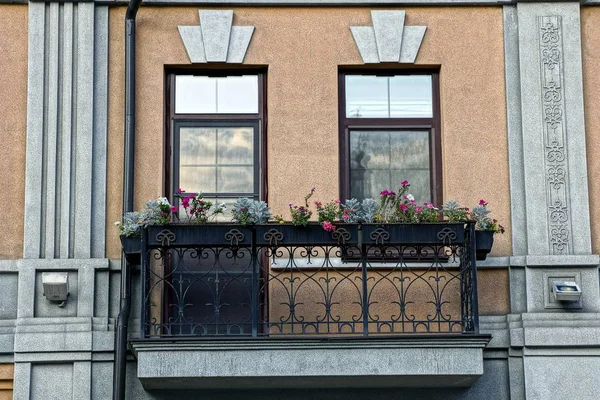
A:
[400,96]
[389,127]
[216,95]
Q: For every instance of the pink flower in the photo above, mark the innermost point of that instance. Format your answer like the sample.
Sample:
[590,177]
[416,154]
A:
[338,201]
[384,192]
[345,216]
[482,202]
[419,209]
[318,203]
[186,201]
[403,207]
[328,226]
[404,183]
[173,208]
[180,190]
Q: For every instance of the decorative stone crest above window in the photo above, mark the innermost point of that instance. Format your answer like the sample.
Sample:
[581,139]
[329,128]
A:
[215,39]
[388,40]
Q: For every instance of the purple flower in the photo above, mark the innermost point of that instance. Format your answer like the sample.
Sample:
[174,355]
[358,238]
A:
[404,183]
[482,202]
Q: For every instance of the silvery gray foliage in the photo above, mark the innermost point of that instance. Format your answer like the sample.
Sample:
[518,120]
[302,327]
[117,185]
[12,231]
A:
[131,225]
[370,207]
[352,212]
[480,215]
[259,212]
[247,211]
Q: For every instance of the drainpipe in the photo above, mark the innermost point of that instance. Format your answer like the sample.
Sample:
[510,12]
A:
[120,358]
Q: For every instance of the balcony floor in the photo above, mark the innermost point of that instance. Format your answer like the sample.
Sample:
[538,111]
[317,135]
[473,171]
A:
[407,361]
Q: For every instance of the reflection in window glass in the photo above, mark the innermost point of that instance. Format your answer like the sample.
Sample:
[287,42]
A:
[401,96]
[382,159]
[217,160]
[212,95]
[366,96]
[410,96]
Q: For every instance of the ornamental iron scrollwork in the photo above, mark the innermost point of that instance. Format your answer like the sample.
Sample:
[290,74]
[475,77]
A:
[553,113]
[380,235]
[273,236]
[234,237]
[446,235]
[199,289]
[165,237]
[341,235]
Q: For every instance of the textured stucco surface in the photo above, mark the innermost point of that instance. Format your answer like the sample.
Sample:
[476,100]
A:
[13,126]
[6,381]
[591,97]
[303,48]
[493,291]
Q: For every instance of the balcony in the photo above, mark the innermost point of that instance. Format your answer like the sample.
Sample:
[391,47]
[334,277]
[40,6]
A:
[384,305]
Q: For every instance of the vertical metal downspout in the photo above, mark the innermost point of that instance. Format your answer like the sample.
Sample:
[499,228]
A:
[120,359]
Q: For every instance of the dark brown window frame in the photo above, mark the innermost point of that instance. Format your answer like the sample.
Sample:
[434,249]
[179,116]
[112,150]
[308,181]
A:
[173,119]
[432,124]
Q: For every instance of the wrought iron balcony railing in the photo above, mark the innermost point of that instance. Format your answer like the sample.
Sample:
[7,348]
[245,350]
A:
[224,280]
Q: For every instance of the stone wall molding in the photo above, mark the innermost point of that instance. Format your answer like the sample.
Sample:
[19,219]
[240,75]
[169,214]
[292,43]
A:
[389,39]
[216,39]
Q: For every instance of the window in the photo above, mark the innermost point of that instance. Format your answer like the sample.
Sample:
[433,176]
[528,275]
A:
[215,125]
[389,131]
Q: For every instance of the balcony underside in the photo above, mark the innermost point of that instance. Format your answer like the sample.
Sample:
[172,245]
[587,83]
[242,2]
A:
[438,361]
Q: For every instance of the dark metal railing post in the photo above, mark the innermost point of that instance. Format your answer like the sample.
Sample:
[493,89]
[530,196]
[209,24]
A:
[255,276]
[143,286]
[365,294]
[473,263]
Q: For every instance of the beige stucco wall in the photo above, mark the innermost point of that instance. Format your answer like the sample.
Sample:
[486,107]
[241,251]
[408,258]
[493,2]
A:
[303,48]
[6,380]
[590,31]
[13,126]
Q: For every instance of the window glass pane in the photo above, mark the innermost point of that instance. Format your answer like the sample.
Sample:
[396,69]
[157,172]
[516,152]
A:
[195,95]
[237,95]
[410,96]
[198,179]
[211,95]
[217,160]
[235,145]
[382,159]
[367,96]
[235,179]
[197,146]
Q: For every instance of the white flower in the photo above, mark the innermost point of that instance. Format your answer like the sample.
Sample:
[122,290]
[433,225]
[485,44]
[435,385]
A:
[163,201]
[117,223]
[222,205]
[410,197]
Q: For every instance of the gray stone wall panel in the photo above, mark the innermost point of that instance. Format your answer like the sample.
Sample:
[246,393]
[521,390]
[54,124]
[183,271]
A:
[35,128]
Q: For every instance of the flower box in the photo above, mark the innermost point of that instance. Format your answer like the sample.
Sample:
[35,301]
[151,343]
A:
[194,235]
[132,248]
[423,233]
[484,241]
[312,234]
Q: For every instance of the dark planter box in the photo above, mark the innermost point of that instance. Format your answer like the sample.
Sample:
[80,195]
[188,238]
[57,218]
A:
[484,241]
[132,248]
[426,233]
[312,234]
[199,235]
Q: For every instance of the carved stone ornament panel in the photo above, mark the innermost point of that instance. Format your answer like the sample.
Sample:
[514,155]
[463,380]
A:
[553,112]
[215,39]
[388,40]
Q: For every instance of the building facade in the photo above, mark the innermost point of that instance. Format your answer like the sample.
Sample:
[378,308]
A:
[470,100]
